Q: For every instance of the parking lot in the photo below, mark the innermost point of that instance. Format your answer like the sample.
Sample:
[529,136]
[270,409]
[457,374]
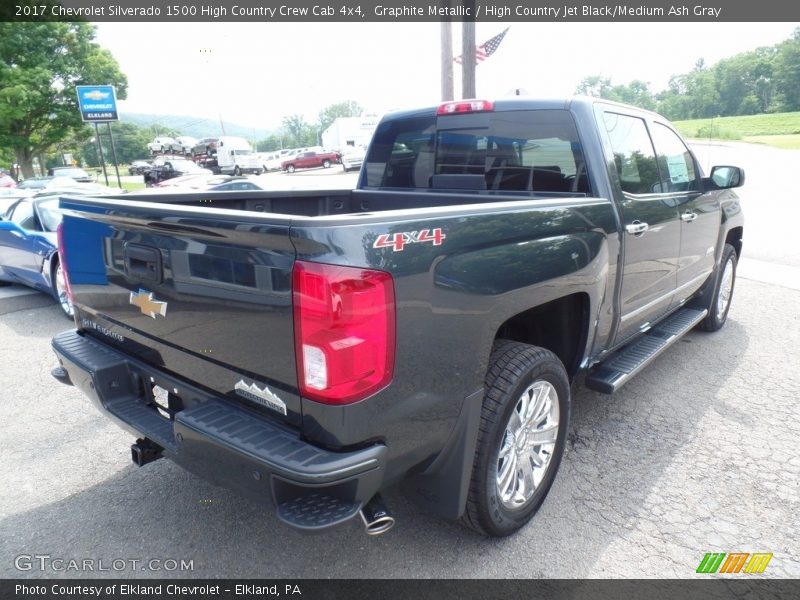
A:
[697,454]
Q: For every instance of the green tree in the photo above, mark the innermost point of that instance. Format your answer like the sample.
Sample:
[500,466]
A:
[130,143]
[349,108]
[299,133]
[594,85]
[40,65]
[637,93]
[787,72]
[271,143]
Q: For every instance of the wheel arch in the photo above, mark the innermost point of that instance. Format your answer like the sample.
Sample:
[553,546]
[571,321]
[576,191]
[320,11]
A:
[734,238]
[560,325]
[49,266]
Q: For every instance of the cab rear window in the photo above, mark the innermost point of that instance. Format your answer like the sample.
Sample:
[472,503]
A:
[519,151]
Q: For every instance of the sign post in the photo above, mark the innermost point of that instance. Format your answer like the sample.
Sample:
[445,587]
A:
[98,104]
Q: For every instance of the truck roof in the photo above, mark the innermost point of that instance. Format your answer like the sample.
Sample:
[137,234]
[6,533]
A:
[522,103]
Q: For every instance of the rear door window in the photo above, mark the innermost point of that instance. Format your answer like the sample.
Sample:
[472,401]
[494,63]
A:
[519,151]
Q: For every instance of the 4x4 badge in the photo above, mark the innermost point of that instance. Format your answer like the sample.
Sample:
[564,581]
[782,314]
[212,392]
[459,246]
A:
[144,300]
[401,239]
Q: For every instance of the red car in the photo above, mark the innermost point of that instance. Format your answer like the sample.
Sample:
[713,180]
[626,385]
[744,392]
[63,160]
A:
[6,181]
[308,160]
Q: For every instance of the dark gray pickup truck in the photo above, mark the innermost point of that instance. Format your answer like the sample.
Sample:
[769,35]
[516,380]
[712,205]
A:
[315,347]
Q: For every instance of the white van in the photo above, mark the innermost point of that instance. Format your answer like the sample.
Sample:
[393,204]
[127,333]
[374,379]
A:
[235,156]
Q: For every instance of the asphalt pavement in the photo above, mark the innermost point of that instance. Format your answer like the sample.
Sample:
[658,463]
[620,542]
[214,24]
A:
[696,454]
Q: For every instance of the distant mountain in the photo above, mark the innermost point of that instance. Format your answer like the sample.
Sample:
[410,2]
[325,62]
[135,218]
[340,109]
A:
[198,127]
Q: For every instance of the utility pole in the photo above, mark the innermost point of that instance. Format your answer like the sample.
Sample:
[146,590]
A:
[447,57]
[468,57]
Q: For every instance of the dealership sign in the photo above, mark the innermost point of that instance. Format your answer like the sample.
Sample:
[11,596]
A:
[98,103]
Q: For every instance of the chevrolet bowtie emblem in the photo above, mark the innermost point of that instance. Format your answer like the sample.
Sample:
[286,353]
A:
[144,300]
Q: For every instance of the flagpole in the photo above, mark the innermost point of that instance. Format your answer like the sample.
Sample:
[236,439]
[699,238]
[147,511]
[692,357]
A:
[468,58]
[447,58]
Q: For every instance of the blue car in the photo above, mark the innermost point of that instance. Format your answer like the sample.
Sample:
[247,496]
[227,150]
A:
[29,248]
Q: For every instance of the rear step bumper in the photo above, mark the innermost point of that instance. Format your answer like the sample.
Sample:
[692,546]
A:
[313,488]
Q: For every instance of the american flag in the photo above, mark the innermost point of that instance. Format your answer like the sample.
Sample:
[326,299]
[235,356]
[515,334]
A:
[486,49]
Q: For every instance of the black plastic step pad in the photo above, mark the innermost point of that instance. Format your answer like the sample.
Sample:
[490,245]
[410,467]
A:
[316,511]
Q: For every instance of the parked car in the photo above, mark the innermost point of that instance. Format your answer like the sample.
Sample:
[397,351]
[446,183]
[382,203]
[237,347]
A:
[6,180]
[28,248]
[183,144]
[309,160]
[9,196]
[237,184]
[195,181]
[271,161]
[352,158]
[51,183]
[161,143]
[138,167]
[36,183]
[206,145]
[169,167]
[75,173]
[213,183]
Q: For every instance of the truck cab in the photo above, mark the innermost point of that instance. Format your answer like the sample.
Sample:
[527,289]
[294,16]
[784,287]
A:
[235,156]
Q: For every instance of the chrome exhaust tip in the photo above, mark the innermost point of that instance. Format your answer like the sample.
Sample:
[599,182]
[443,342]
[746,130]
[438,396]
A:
[376,517]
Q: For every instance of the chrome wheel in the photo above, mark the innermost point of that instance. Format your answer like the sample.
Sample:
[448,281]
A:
[725,290]
[527,445]
[61,292]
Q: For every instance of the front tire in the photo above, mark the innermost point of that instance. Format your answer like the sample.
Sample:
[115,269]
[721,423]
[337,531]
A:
[326,164]
[523,429]
[290,169]
[719,302]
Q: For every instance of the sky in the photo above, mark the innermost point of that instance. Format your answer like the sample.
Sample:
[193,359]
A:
[256,74]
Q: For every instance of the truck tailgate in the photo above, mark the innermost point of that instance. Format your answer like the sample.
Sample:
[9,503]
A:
[203,295]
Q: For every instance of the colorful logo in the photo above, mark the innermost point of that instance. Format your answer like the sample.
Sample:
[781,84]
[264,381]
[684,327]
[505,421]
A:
[734,562]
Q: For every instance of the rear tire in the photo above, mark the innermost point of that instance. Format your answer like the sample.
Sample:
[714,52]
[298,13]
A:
[237,171]
[523,429]
[719,302]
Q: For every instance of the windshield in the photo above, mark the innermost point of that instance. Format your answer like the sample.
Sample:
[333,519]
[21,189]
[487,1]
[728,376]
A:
[70,172]
[49,215]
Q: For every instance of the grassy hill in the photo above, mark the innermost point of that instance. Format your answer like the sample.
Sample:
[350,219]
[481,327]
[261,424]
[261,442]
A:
[198,127]
[781,130]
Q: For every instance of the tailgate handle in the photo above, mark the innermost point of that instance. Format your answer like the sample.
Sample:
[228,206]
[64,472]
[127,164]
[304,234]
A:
[143,263]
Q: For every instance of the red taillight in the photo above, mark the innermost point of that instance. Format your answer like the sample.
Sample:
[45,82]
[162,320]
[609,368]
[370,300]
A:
[62,257]
[344,331]
[465,106]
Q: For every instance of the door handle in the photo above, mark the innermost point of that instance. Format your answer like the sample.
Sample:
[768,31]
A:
[636,228]
[143,263]
[688,216]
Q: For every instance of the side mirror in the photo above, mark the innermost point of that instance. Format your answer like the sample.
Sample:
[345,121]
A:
[726,177]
